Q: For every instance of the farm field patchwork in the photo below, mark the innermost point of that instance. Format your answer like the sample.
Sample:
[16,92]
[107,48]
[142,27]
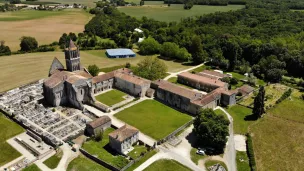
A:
[281,131]
[9,130]
[175,12]
[111,97]
[25,68]
[153,118]
[82,163]
[45,26]
[166,165]
[103,150]
[89,3]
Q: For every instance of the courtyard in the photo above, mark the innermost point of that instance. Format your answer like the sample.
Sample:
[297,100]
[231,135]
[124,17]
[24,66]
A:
[153,118]
[111,97]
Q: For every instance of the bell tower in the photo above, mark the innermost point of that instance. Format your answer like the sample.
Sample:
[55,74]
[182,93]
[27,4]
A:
[72,57]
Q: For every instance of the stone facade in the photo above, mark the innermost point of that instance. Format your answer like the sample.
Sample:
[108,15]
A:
[98,124]
[123,138]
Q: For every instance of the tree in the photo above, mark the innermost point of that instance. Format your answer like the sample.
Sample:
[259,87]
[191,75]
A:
[4,50]
[15,1]
[142,3]
[258,108]
[188,4]
[28,44]
[151,68]
[98,135]
[128,65]
[199,55]
[93,70]
[149,46]
[211,129]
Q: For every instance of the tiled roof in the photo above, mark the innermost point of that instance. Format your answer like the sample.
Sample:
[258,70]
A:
[214,73]
[103,77]
[123,133]
[74,78]
[132,78]
[83,73]
[56,78]
[208,98]
[100,121]
[202,79]
[246,89]
[176,89]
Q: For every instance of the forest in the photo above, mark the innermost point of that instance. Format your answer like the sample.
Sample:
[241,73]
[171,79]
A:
[265,38]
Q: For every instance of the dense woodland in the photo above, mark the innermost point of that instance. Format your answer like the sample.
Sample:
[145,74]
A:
[264,38]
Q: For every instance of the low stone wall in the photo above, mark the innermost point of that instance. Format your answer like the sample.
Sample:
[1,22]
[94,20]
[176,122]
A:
[175,132]
[97,160]
[101,106]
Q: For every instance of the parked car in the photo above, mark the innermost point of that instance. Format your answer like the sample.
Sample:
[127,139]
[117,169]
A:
[200,152]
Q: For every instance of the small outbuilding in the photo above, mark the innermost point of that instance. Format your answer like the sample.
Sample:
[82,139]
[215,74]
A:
[101,123]
[246,90]
[120,53]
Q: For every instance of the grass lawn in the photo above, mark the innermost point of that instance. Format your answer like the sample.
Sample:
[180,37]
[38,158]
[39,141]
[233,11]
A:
[32,167]
[242,165]
[241,118]
[35,66]
[153,118]
[37,24]
[200,69]
[9,129]
[209,163]
[53,161]
[196,157]
[138,149]
[166,165]
[220,112]
[82,163]
[103,150]
[142,160]
[175,12]
[111,97]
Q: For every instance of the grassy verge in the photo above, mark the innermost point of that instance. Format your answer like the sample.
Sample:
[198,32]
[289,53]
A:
[209,163]
[53,161]
[166,165]
[196,157]
[153,118]
[242,161]
[111,97]
[9,129]
[142,160]
[241,118]
[82,163]
[103,151]
[136,152]
[32,167]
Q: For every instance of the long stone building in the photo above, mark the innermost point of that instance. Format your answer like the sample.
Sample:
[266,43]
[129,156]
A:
[75,86]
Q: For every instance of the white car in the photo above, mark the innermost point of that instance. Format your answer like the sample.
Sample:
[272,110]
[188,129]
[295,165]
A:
[200,152]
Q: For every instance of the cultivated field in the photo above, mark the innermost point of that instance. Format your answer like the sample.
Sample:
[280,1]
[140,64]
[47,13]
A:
[9,129]
[89,3]
[153,118]
[82,163]
[278,137]
[166,165]
[45,26]
[21,69]
[175,12]
[111,97]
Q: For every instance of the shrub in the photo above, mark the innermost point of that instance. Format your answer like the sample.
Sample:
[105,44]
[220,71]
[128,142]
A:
[250,152]
[284,96]
[302,96]
[45,48]
[28,44]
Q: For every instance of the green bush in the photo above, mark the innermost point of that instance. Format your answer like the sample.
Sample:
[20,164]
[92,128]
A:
[284,96]
[250,152]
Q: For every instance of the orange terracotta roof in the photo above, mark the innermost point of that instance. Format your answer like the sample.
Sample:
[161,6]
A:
[74,78]
[132,78]
[56,78]
[103,77]
[214,73]
[123,133]
[202,79]
[100,121]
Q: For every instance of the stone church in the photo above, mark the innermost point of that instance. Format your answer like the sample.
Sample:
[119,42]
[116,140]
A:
[70,86]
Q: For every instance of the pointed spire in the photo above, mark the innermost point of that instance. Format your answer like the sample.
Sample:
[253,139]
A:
[72,45]
[56,65]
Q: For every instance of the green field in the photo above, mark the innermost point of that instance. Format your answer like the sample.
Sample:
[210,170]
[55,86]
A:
[220,112]
[82,163]
[9,129]
[30,67]
[196,157]
[209,163]
[32,167]
[111,97]
[166,165]
[89,3]
[153,118]
[136,152]
[279,135]
[103,150]
[28,15]
[175,12]
[241,118]
[54,160]
[242,161]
